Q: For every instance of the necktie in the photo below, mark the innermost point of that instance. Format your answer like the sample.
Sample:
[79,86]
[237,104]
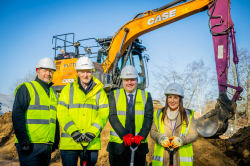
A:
[130,103]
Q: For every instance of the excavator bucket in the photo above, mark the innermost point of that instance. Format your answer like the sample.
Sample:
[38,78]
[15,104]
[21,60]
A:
[215,122]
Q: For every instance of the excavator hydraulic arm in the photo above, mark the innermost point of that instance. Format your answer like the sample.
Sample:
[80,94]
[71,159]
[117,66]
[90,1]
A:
[221,27]
[215,122]
[149,21]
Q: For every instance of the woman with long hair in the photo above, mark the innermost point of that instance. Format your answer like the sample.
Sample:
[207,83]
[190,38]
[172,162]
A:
[174,126]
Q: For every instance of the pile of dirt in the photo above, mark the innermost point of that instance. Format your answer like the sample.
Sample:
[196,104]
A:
[157,105]
[8,153]
[237,147]
[207,152]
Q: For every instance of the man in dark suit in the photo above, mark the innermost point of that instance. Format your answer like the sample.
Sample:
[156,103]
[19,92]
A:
[131,114]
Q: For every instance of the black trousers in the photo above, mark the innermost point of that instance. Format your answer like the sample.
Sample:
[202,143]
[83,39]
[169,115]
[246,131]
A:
[125,158]
[70,157]
[40,155]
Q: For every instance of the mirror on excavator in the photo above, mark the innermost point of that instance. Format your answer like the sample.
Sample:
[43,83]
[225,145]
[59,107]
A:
[65,62]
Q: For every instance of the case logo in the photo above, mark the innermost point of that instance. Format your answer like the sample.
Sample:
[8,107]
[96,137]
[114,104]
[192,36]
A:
[164,16]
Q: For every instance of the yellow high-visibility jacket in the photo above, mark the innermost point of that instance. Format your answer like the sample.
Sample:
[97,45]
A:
[83,113]
[41,114]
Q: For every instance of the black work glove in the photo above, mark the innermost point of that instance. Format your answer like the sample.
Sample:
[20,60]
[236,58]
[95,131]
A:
[26,149]
[88,137]
[77,136]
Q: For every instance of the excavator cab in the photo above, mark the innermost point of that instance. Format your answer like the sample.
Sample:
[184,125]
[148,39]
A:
[132,56]
[65,61]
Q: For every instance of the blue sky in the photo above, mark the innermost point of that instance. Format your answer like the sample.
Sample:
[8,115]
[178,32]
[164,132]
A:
[27,28]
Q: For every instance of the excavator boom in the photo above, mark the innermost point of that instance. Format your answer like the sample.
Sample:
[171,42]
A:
[149,21]
[221,27]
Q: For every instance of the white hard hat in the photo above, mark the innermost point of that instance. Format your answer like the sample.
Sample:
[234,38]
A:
[175,89]
[129,72]
[84,63]
[46,63]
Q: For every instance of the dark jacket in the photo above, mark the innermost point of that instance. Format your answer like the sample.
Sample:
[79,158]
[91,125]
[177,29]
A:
[116,148]
[21,104]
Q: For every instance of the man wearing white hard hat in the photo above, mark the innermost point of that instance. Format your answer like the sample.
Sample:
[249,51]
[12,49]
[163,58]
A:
[131,115]
[34,117]
[82,113]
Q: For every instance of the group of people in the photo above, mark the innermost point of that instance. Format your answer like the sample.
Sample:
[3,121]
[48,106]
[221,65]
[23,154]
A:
[82,111]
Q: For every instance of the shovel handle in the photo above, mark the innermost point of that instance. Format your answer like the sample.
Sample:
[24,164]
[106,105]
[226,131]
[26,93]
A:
[84,163]
[133,155]
[171,150]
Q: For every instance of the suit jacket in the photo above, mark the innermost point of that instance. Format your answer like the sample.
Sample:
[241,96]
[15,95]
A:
[117,148]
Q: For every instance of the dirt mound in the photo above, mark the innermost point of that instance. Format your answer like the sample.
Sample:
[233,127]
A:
[8,153]
[7,135]
[157,105]
[237,147]
[206,153]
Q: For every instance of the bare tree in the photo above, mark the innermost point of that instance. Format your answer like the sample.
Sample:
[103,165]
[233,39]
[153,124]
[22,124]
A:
[208,106]
[193,80]
[244,74]
[166,75]
[199,78]
[30,76]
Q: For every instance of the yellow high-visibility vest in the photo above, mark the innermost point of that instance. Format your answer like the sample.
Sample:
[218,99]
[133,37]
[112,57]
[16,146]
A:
[185,152]
[121,107]
[40,116]
[83,113]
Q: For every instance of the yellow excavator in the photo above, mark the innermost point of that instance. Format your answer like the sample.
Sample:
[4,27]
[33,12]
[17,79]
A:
[124,48]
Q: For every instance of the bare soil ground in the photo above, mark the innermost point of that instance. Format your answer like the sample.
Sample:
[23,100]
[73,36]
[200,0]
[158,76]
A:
[207,152]
[237,147]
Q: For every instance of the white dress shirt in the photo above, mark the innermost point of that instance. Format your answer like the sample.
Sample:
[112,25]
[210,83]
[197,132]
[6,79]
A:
[132,94]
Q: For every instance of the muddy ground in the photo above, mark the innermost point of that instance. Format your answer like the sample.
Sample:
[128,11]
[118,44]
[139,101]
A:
[207,152]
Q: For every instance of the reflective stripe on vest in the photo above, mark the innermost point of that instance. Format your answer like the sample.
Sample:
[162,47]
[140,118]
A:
[186,159]
[40,121]
[40,106]
[71,105]
[184,126]
[158,158]
[37,105]
[185,152]
[121,106]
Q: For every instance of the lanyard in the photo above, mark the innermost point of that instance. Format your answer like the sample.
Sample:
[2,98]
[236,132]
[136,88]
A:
[174,125]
